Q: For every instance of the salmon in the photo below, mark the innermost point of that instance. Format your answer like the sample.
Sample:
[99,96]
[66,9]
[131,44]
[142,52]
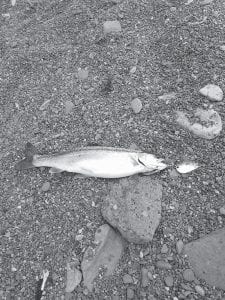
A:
[95,161]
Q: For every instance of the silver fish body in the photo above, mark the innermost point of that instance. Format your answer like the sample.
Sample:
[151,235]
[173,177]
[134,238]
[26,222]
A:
[103,162]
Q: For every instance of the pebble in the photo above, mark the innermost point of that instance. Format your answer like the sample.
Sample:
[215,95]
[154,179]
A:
[46,186]
[222,47]
[136,105]
[151,297]
[164,249]
[167,96]
[168,281]
[82,74]
[206,2]
[74,277]
[190,229]
[200,290]
[212,91]
[186,287]
[115,297]
[179,246]
[173,174]
[222,210]
[188,275]
[68,107]
[150,275]
[144,277]
[45,105]
[127,279]
[133,69]
[163,265]
[111,26]
[130,293]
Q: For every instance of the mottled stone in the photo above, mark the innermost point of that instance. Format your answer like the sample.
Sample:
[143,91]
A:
[107,252]
[207,256]
[133,206]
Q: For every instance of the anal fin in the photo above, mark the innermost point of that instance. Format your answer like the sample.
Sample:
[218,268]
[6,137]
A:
[55,170]
[81,176]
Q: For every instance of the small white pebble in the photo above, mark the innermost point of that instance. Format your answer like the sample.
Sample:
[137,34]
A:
[45,187]
[145,213]
[179,246]
[115,206]
[82,74]
[222,210]
[133,69]
[111,26]
[222,47]
[200,290]
[212,91]
[136,105]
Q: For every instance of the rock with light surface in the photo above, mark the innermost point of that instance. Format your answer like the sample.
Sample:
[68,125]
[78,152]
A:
[111,26]
[144,277]
[136,105]
[200,290]
[169,281]
[106,254]
[212,92]
[222,210]
[207,256]
[179,246]
[46,186]
[212,123]
[74,277]
[133,206]
[68,107]
[82,74]
[188,275]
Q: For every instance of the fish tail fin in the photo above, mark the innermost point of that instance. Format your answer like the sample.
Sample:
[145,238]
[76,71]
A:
[27,162]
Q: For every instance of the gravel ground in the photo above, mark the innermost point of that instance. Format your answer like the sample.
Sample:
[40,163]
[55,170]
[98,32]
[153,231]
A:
[176,47]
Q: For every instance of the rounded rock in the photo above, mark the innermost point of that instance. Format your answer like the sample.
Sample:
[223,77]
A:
[136,105]
[188,275]
[46,186]
[130,293]
[168,281]
[200,290]
[164,249]
[127,279]
[179,246]
[111,26]
[163,265]
[144,277]
[222,210]
[212,91]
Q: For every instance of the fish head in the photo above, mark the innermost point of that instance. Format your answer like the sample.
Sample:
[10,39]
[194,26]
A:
[151,162]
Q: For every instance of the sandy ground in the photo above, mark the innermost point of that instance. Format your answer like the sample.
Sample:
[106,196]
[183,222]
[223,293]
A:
[175,47]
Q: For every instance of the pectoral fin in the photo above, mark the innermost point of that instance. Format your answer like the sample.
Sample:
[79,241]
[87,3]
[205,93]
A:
[149,173]
[55,170]
[81,176]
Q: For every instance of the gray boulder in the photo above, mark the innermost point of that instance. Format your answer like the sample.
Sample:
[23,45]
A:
[207,258]
[133,206]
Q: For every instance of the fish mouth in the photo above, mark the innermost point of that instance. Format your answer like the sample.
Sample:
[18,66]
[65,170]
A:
[161,166]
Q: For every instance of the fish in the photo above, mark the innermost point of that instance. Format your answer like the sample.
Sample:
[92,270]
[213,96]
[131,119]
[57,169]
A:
[95,161]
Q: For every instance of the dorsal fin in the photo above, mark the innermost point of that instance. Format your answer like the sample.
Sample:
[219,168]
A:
[30,150]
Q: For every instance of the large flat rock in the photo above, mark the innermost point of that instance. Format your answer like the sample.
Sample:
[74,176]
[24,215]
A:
[106,253]
[207,258]
[133,206]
